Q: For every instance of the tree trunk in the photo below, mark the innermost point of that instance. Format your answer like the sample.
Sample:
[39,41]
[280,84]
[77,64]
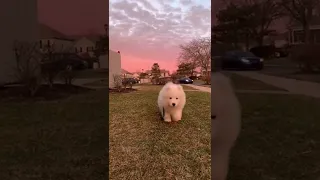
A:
[260,40]
[306,25]
[247,41]
[306,30]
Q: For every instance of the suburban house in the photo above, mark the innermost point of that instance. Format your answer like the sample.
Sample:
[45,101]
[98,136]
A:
[86,44]
[203,72]
[136,74]
[19,21]
[281,39]
[163,73]
[296,35]
[114,66]
[126,74]
[50,37]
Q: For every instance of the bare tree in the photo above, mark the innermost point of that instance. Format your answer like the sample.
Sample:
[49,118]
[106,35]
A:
[117,79]
[155,73]
[265,12]
[54,61]
[301,11]
[28,61]
[198,51]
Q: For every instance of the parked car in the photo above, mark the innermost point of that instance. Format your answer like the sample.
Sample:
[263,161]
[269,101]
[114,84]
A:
[241,60]
[281,52]
[263,51]
[194,77]
[185,81]
[129,81]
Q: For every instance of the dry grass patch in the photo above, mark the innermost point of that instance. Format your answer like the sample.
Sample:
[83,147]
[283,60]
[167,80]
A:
[144,147]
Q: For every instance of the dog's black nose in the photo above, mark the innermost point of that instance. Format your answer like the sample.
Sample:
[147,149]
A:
[173,104]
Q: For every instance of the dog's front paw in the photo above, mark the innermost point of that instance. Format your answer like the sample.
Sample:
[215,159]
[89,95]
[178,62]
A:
[167,120]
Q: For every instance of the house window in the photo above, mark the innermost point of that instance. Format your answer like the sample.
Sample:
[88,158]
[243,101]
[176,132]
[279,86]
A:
[298,37]
[80,49]
[40,43]
[76,50]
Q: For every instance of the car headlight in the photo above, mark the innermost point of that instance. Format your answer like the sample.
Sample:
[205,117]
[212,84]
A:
[261,60]
[245,60]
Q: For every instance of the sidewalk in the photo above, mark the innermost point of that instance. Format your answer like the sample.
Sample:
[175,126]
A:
[292,85]
[200,88]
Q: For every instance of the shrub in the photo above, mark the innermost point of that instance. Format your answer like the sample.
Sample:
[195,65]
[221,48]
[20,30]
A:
[68,75]
[28,61]
[50,70]
[163,81]
[128,82]
[117,79]
[206,79]
[306,56]
[155,80]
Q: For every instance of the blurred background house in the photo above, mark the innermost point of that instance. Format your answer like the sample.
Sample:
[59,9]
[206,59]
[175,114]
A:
[126,74]
[49,37]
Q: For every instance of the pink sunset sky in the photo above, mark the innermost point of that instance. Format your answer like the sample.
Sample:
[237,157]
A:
[147,32]
[74,16]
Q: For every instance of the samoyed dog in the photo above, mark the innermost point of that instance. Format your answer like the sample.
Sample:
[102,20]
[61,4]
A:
[171,101]
[225,123]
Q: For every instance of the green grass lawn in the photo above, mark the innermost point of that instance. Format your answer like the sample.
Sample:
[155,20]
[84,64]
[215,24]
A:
[144,147]
[64,139]
[244,83]
[280,138]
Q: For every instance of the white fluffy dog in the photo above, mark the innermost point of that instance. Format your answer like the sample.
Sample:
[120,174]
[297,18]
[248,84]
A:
[225,123]
[171,101]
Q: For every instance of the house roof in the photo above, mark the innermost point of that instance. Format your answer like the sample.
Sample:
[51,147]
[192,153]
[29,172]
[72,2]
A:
[123,71]
[164,71]
[92,37]
[46,32]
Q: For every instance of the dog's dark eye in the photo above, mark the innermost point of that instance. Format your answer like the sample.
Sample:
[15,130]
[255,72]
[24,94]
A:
[176,98]
[170,97]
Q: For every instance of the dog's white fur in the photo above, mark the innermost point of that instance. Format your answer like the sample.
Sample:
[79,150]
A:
[171,101]
[226,127]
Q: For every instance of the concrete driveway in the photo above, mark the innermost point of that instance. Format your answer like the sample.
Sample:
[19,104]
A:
[294,86]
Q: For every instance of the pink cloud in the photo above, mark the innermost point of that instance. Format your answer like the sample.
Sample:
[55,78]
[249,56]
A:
[147,32]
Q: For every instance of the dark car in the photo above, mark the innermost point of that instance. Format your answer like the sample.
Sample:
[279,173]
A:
[130,81]
[281,52]
[241,60]
[185,81]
